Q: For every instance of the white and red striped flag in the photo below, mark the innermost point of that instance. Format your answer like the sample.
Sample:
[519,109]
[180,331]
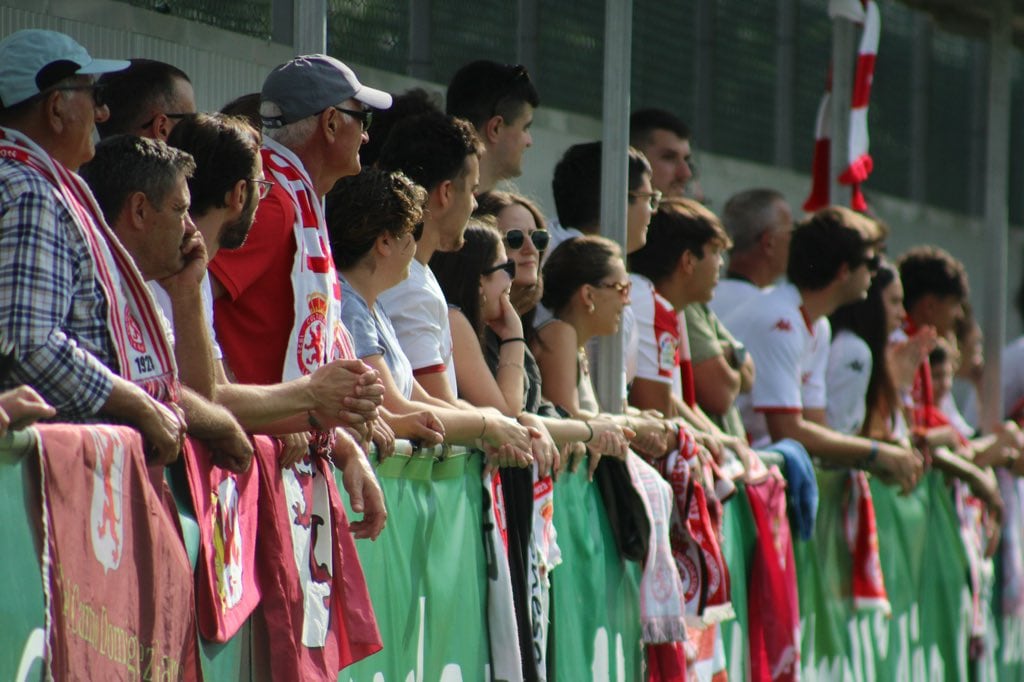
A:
[866,13]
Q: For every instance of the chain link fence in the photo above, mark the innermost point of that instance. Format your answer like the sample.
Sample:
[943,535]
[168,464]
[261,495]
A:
[716,63]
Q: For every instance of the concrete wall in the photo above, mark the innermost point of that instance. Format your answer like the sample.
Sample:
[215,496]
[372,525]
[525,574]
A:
[224,65]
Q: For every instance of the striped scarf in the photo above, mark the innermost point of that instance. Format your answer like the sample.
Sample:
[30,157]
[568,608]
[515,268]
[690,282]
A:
[144,353]
[860,165]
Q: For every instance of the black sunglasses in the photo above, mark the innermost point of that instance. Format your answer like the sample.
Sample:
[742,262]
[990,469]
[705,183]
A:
[508,266]
[515,238]
[364,116]
[95,89]
[872,262]
[176,115]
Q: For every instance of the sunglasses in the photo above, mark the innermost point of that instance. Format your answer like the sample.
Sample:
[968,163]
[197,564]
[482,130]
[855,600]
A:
[177,115]
[508,266]
[95,89]
[364,116]
[872,262]
[515,238]
[622,287]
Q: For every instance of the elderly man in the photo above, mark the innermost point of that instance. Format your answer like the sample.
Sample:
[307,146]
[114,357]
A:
[278,318]
[69,304]
[760,223]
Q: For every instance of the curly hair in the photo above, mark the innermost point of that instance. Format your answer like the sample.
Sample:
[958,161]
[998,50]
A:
[362,207]
[931,270]
[430,148]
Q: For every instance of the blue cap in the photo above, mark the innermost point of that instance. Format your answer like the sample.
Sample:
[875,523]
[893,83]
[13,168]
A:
[33,60]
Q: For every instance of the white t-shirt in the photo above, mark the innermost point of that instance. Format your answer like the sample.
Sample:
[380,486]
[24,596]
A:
[419,314]
[791,358]
[846,379]
[730,295]
[206,290]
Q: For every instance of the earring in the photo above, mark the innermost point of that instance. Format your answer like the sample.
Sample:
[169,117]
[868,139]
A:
[590,308]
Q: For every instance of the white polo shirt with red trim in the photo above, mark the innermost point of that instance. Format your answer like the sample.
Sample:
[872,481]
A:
[419,313]
[657,329]
[791,356]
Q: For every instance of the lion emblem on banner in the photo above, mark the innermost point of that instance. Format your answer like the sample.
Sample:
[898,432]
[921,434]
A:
[106,517]
[227,542]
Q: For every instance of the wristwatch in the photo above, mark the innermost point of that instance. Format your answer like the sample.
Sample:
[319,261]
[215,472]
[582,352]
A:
[739,355]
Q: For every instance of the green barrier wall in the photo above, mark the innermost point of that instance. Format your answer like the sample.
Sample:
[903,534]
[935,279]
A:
[426,576]
[595,593]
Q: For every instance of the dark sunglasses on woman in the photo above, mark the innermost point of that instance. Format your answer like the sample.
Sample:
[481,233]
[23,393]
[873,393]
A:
[516,238]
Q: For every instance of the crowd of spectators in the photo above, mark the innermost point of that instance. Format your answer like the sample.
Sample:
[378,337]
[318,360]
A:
[266,271]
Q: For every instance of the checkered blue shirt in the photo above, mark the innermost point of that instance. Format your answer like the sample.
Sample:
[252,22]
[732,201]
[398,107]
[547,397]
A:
[52,310]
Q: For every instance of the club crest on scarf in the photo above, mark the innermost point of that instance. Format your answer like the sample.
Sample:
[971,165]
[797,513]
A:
[306,493]
[106,527]
[310,349]
[133,331]
[227,542]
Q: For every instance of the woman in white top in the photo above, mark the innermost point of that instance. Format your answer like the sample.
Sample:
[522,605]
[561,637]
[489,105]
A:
[862,394]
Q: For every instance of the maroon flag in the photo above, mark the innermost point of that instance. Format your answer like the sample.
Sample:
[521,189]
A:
[226,506]
[117,581]
[315,602]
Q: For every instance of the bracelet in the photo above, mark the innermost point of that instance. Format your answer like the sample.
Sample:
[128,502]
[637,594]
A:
[868,461]
[314,422]
[511,339]
[590,431]
[518,365]
[483,427]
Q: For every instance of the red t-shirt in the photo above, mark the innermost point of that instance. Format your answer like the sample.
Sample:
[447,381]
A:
[254,318]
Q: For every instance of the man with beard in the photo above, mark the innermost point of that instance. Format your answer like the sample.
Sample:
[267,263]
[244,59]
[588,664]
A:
[226,188]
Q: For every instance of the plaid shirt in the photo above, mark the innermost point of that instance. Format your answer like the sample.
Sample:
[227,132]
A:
[52,311]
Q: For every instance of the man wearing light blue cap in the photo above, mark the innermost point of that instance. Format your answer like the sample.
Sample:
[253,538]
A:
[81,333]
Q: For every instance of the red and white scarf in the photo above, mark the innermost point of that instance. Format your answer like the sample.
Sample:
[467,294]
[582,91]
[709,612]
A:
[860,163]
[861,532]
[144,353]
[318,335]
[695,537]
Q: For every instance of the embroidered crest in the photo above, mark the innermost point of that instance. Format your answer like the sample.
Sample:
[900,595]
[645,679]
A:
[667,351]
[135,339]
[310,350]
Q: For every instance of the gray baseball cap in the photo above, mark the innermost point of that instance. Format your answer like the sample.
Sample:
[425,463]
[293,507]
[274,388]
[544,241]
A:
[309,84]
[33,60]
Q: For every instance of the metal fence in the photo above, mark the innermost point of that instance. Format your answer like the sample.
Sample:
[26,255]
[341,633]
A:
[746,74]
